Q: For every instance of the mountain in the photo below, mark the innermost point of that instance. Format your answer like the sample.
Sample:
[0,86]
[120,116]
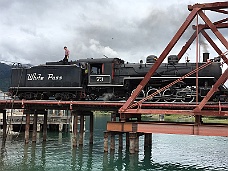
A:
[5,75]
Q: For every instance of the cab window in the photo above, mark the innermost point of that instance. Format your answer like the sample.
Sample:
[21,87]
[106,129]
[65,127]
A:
[96,69]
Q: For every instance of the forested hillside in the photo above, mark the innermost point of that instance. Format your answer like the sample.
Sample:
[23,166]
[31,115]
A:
[5,74]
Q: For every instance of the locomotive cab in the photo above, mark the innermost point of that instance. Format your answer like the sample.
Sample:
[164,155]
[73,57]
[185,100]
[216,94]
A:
[101,71]
[100,78]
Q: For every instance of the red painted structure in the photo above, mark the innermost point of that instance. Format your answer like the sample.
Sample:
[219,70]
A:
[131,108]
[197,9]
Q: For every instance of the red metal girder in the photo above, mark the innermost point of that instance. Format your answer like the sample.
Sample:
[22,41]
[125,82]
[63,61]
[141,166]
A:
[205,26]
[183,106]
[160,59]
[187,44]
[220,11]
[209,6]
[169,128]
[222,21]
[214,29]
[176,112]
[189,129]
[214,46]
[222,79]
[75,104]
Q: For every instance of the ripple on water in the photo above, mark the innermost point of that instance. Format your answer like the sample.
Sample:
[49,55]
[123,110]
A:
[168,153]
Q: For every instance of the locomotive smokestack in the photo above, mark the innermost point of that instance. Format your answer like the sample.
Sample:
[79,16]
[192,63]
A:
[205,56]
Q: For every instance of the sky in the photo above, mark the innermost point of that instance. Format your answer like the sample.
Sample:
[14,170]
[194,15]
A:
[36,31]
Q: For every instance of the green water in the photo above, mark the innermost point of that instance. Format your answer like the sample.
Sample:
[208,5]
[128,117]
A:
[168,153]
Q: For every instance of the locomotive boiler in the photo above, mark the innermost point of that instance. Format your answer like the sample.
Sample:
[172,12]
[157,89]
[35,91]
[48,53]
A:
[114,79]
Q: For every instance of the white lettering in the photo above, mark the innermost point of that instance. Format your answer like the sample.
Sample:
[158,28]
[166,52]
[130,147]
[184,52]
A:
[34,76]
[52,77]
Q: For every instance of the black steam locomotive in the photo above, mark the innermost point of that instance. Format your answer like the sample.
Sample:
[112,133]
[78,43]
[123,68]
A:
[113,79]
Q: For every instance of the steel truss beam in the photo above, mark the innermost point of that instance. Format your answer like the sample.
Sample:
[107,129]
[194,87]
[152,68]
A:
[160,59]
[195,9]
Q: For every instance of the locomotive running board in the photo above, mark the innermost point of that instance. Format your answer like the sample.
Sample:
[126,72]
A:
[131,78]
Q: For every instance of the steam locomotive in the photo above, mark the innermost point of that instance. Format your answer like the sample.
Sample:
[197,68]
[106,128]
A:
[114,79]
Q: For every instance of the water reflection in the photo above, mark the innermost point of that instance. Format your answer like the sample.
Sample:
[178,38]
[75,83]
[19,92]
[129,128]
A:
[146,162]
[180,153]
[43,154]
[120,161]
[136,162]
[90,158]
[25,157]
[2,154]
[73,158]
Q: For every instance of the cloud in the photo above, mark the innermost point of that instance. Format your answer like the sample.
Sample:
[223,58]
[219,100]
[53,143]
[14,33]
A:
[36,31]
[97,48]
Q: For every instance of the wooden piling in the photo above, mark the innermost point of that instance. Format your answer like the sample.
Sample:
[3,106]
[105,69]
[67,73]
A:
[61,127]
[34,132]
[150,140]
[106,141]
[137,142]
[91,128]
[45,126]
[112,141]
[127,139]
[81,129]
[120,141]
[75,128]
[4,125]
[132,137]
[147,140]
[27,125]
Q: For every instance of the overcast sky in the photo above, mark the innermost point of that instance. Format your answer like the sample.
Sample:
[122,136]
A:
[35,31]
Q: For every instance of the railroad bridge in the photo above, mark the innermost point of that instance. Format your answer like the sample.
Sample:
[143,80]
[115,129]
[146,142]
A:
[121,123]
[126,116]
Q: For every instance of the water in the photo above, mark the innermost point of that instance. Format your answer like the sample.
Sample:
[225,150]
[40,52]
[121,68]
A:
[168,153]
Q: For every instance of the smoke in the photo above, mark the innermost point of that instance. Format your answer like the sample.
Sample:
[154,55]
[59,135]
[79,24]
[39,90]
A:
[107,96]
[100,50]
[203,44]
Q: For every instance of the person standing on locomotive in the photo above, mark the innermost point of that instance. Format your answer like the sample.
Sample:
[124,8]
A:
[67,55]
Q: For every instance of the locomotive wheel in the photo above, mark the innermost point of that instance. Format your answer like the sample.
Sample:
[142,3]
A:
[66,96]
[58,96]
[38,96]
[44,96]
[140,96]
[168,96]
[28,96]
[187,95]
[156,98]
